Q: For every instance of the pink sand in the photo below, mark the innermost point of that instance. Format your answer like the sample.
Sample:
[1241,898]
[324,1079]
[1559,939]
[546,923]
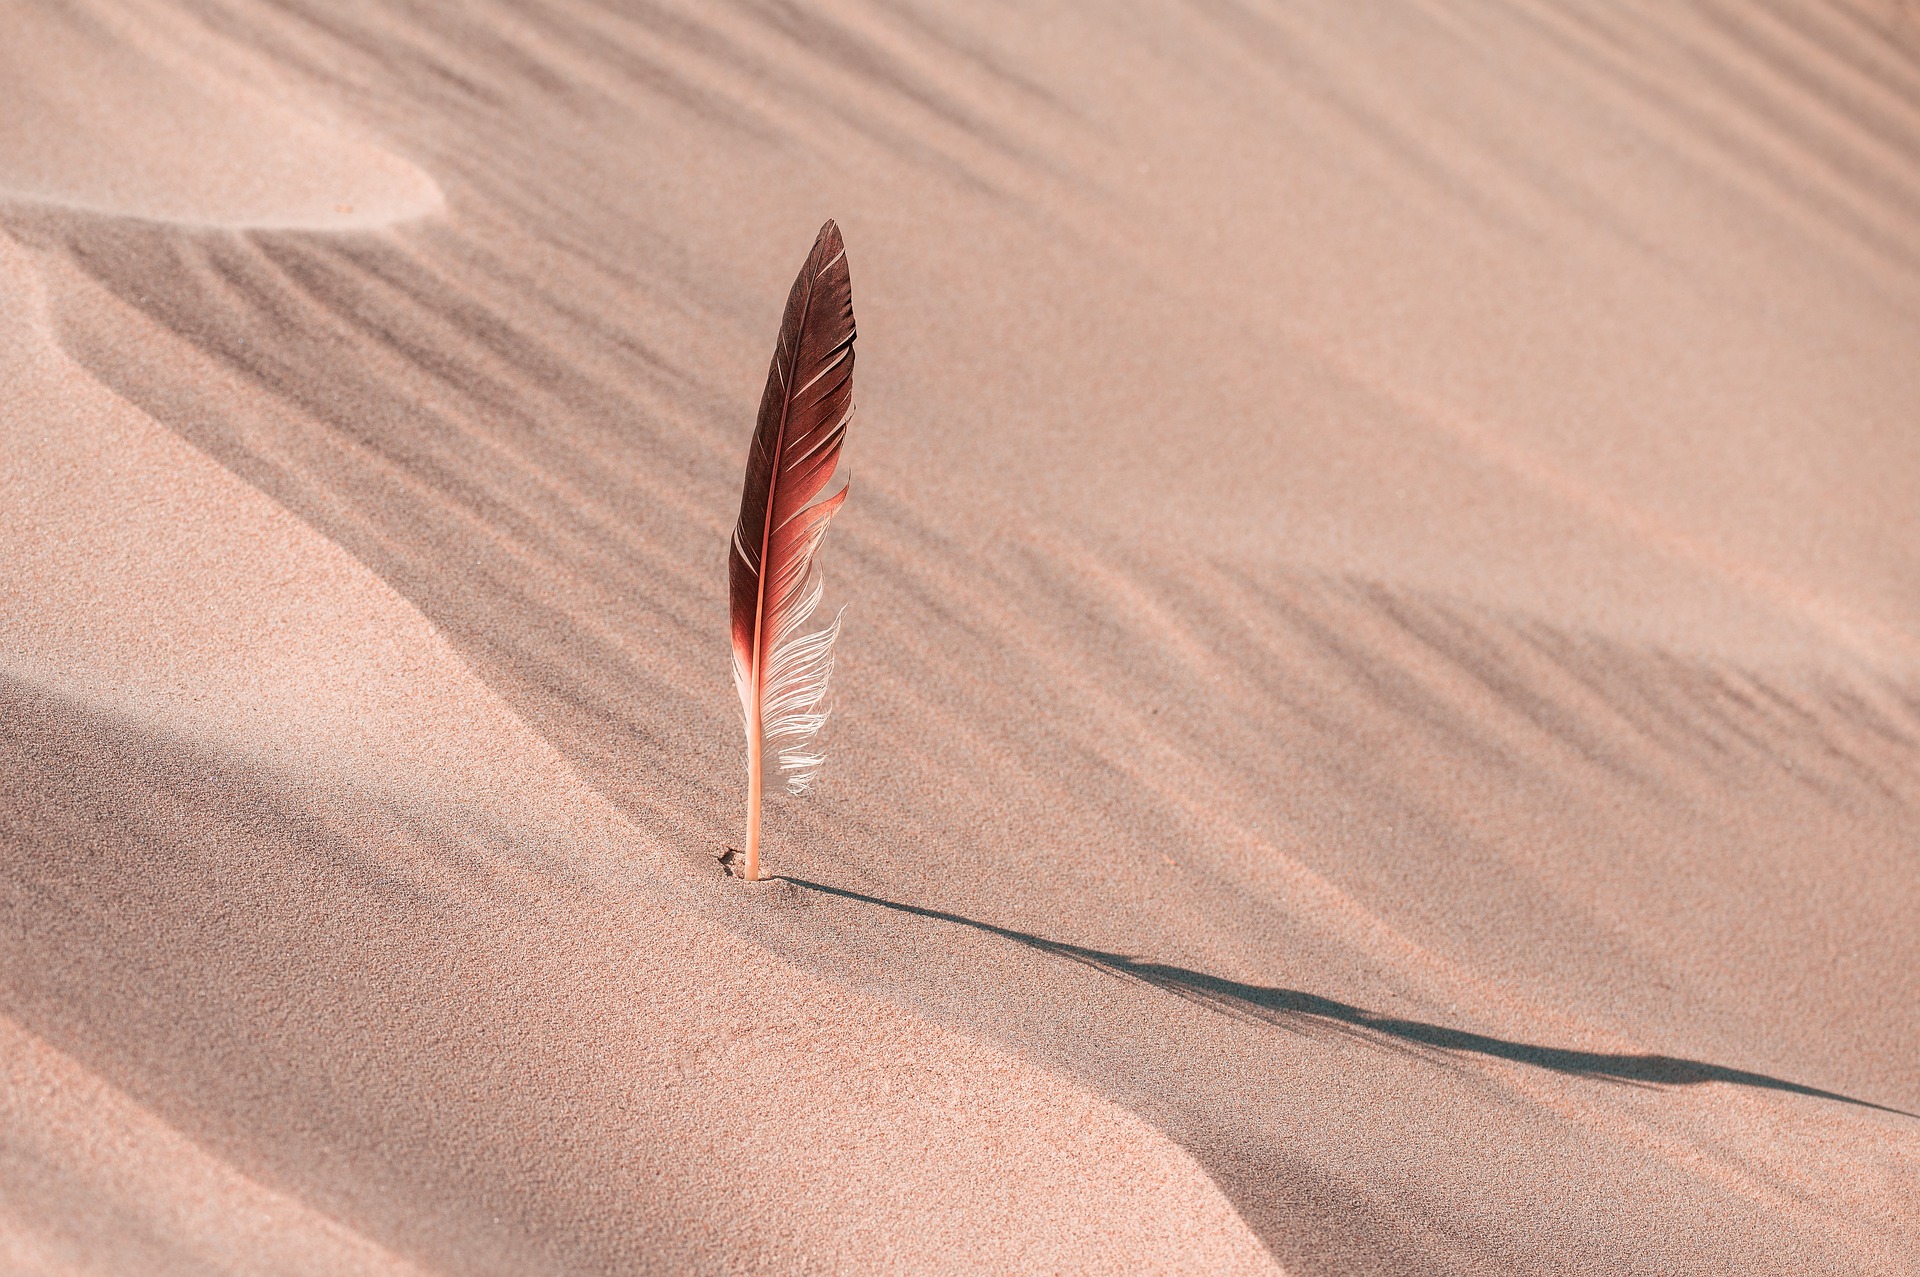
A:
[1378,725]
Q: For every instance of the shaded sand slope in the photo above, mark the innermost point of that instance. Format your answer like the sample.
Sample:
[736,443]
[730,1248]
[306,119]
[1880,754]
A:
[1382,632]
[97,1183]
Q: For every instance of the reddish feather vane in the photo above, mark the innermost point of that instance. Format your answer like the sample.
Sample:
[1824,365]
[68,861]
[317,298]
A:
[781,673]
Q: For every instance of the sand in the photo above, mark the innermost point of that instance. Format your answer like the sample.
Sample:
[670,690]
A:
[1378,722]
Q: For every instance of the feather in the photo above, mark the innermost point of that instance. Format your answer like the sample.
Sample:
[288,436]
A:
[779,668]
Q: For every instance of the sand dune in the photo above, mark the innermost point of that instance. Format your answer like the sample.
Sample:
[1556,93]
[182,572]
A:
[1378,728]
[293,901]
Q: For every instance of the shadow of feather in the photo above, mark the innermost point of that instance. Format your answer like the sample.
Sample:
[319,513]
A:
[1299,1011]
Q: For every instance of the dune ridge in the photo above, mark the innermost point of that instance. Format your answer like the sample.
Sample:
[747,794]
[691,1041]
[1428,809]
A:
[1378,718]
[107,114]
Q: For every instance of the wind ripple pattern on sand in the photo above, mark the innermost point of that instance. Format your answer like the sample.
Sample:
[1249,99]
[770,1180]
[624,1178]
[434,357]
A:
[1255,666]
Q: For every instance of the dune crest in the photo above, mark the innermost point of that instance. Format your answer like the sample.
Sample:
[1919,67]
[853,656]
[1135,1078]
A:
[101,114]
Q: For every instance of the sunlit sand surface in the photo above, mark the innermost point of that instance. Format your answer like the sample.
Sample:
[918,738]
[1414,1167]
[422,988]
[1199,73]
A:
[1378,721]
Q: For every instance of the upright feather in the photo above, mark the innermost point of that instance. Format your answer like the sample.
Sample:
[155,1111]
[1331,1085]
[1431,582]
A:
[780,672]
